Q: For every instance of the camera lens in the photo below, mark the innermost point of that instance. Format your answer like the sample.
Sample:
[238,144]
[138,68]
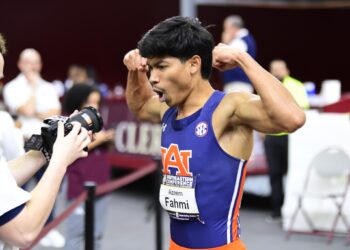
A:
[89,118]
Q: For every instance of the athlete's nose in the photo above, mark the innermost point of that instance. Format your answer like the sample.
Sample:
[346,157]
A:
[153,78]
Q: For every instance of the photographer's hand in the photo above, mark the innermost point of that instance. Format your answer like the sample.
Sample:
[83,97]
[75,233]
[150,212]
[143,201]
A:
[25,227]
[70,147]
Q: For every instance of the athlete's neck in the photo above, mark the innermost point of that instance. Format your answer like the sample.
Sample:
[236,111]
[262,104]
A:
[196,99]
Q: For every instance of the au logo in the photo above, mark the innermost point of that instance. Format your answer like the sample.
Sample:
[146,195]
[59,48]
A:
[172,157]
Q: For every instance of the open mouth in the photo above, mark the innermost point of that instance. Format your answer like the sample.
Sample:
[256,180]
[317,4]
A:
[160,94]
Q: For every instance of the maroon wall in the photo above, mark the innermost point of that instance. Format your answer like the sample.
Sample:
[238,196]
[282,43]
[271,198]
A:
[79,31]
[314,42]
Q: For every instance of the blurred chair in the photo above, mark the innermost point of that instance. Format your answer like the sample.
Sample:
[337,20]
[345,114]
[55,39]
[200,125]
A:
[331,166]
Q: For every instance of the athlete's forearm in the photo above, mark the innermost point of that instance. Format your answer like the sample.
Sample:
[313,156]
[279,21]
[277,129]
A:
[138,92]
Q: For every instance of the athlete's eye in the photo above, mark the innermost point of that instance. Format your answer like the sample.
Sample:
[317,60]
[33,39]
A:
[162,67]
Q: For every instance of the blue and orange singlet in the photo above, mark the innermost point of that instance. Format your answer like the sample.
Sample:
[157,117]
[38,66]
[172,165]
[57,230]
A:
[202,185]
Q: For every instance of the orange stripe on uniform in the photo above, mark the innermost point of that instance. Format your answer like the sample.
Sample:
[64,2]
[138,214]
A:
[236,245]
[238,205]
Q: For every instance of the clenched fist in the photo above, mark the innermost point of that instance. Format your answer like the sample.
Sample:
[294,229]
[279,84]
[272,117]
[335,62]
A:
[225,57]
[134,61]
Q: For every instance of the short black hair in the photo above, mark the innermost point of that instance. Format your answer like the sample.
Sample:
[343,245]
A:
[180,37]
[76,96]
[2,45]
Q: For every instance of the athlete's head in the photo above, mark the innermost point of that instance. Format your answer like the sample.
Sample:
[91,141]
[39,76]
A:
[179,57]
[2,52]
[182,38]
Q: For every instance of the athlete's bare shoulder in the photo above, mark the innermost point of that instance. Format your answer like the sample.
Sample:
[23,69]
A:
[231,100]
[226,110]
[234,137]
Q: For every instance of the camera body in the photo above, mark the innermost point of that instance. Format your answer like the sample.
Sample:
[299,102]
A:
[88,117]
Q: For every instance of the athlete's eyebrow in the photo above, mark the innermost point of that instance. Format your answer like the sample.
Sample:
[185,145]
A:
[156,63]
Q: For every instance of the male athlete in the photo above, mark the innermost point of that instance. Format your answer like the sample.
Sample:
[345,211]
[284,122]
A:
[206,135]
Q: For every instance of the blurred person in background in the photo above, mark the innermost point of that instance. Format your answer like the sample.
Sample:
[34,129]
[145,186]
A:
[76,74]
[93,80]
[23,214]
[276,145]
[237,36]
[279,69]
[93,168]
[32,99]
[80,74]
[29,96]
[207,135]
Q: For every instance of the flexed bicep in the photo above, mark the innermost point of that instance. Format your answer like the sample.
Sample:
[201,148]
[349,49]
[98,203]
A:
[253,113]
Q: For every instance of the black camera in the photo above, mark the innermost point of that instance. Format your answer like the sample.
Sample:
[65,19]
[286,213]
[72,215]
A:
[88,117]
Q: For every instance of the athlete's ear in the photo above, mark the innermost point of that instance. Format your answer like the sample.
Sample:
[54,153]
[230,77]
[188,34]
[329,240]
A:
[195,64]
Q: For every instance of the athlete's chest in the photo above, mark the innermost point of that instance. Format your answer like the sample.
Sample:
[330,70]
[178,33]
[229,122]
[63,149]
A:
[184,151]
